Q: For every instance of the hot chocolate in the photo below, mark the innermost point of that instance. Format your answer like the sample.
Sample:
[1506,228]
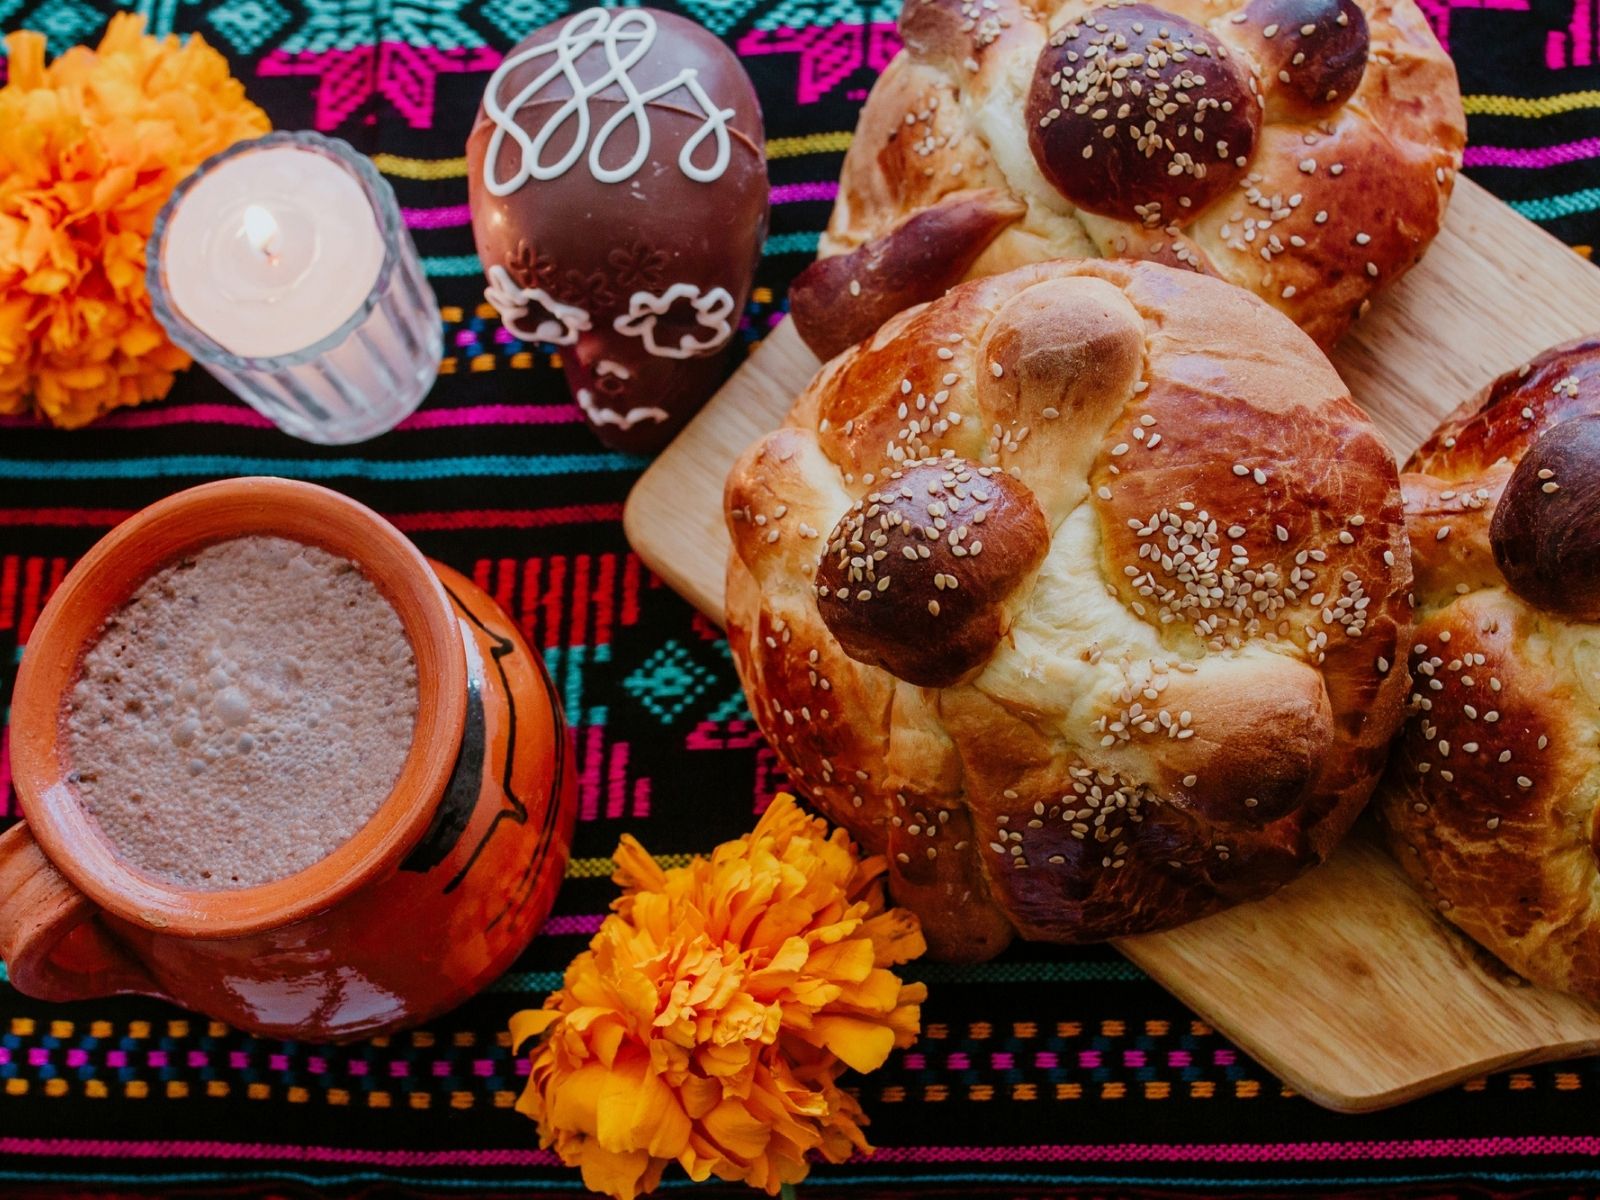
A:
[243,715]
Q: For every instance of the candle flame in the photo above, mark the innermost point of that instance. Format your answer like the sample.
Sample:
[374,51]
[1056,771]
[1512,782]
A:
[261,231]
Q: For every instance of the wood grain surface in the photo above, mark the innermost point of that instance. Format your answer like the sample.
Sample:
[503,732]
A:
[1344,984]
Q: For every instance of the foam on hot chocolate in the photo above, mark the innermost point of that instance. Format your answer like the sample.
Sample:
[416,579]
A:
[243,715]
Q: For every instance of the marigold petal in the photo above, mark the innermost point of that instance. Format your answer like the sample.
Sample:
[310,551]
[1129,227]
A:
[623,1175]
[638,1110]
[636,869]
[699,1096]
[25,52]
[861,1045]
[736,1130]
[896,937]
[531,1022]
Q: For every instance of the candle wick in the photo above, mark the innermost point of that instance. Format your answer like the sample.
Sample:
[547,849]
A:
[261,231]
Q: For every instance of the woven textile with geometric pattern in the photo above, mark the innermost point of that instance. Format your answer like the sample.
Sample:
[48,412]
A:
[1049,1072]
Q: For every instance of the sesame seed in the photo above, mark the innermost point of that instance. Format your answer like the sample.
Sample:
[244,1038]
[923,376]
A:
[1444,532]
[933,607]
[996,370]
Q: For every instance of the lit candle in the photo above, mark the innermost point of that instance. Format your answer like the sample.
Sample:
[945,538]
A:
[283,266]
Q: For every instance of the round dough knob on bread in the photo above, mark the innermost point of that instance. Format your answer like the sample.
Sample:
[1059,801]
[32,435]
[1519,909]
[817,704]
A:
[1081,594]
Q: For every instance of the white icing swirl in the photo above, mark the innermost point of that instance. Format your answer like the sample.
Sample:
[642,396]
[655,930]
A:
[624,39]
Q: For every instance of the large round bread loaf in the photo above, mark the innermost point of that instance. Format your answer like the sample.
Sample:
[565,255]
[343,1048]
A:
[1491,797]
[1303,149]
[1081,591]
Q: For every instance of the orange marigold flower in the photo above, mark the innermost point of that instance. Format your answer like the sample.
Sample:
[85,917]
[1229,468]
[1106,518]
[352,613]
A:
[91,146]
[716,1008]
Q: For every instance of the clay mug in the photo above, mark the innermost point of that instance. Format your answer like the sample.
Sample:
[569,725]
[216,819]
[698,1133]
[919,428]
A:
[423,907]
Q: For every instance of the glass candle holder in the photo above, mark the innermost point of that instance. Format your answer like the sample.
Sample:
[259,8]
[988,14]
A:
[282,265]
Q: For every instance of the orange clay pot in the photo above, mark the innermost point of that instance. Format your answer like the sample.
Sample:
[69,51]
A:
[429,902]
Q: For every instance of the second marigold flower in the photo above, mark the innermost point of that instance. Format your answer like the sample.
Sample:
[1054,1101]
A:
[716,1008]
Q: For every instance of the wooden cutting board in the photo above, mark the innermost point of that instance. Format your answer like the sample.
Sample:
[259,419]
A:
[1344,984]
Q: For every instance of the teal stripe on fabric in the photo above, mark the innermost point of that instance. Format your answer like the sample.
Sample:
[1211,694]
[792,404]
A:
[527,981]
[1550,208]
[384,470]
[792,243]
[451,266]
[1042,972]
[456,266]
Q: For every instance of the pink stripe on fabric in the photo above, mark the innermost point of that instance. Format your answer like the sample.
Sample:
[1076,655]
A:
[794,193]
[5,771]
[177,414]
[576,923]
[1542,156]
[226,1151]
[494,414]
[437,218]
[1258,1152]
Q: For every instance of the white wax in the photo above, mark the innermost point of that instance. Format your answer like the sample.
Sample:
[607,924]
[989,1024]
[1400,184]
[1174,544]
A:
[315,270]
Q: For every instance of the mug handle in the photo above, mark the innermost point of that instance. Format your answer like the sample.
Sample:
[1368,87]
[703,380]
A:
[51,938]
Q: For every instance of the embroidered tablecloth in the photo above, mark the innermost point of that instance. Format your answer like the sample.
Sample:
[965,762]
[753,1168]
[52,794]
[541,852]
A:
[1049,1072]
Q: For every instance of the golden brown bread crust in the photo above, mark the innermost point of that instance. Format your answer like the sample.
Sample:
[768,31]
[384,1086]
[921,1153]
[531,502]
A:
[1320,182]
[927,254]
[1191,682]
[1490,797]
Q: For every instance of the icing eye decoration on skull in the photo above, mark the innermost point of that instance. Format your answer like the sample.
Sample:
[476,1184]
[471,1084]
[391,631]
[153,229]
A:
[646,312]
[617,172]
[531,313]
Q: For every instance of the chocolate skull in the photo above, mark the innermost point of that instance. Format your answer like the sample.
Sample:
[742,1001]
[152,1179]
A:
[618,180]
